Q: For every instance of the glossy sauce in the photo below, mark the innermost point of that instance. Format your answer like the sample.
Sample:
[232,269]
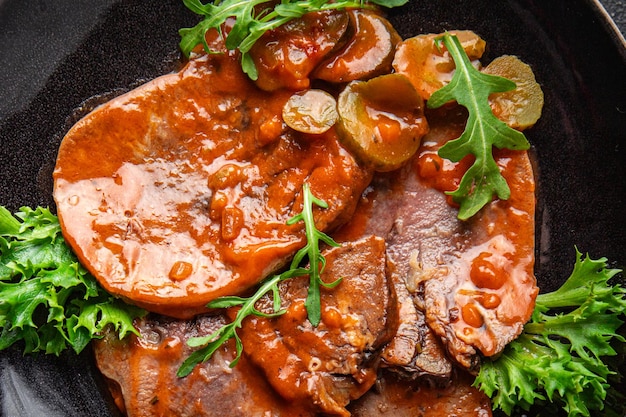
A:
[398,398]
[473,280]
[141,373]
[178,192]
[491,278]
[329,365]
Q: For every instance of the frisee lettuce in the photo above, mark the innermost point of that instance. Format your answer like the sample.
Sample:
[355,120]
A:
[48,300]
[558,358]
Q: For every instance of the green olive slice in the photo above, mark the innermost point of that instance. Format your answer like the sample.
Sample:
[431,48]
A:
[312,111]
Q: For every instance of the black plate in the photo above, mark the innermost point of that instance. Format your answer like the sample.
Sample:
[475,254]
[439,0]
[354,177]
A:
[55,55]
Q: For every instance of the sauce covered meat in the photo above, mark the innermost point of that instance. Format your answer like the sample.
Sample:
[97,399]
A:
[141,374]
[471,281]
[289,368]
[179,191]
[393,397]
[336,362]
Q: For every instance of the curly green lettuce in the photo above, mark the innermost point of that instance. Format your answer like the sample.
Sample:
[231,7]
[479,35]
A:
[48,300]
[560,357]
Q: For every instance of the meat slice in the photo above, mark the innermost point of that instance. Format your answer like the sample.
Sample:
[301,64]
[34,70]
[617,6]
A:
[475,279]
[288,368]
[178,192]
[472,281]
[329,365]
[142,375]
[395,397]
[415,350]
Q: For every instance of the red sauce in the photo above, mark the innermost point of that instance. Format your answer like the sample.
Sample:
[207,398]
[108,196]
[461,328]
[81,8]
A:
[179,192]
[509,292]
[142,376]
[478,280]
[495,285]
[396,397]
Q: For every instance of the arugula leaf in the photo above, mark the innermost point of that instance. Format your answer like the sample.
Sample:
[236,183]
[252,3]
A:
[558,357]
[252,21]
[212,342]
[47,299]
[471,89]
[310,252]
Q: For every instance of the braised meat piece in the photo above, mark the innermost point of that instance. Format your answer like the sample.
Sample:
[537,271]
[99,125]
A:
[179,191]
[414,351]
[472,281]
[329,365]
[395,397]
[314,370]
[195,179]
[142,374]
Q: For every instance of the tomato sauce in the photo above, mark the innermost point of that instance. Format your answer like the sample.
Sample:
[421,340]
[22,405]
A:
[179,191]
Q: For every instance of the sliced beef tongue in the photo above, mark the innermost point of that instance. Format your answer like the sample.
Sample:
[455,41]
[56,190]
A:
[393,397]
[425,238]
[414,351]
[472,281]
[179,191]
[385,210]
[289,368]
[329,365]
[142,375]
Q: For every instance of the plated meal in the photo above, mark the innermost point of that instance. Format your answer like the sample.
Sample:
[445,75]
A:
[313,214]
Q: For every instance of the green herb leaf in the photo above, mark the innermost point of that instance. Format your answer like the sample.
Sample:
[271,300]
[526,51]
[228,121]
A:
[309,253]
[47,299]
[252,21]
[558,357]
[471,89]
